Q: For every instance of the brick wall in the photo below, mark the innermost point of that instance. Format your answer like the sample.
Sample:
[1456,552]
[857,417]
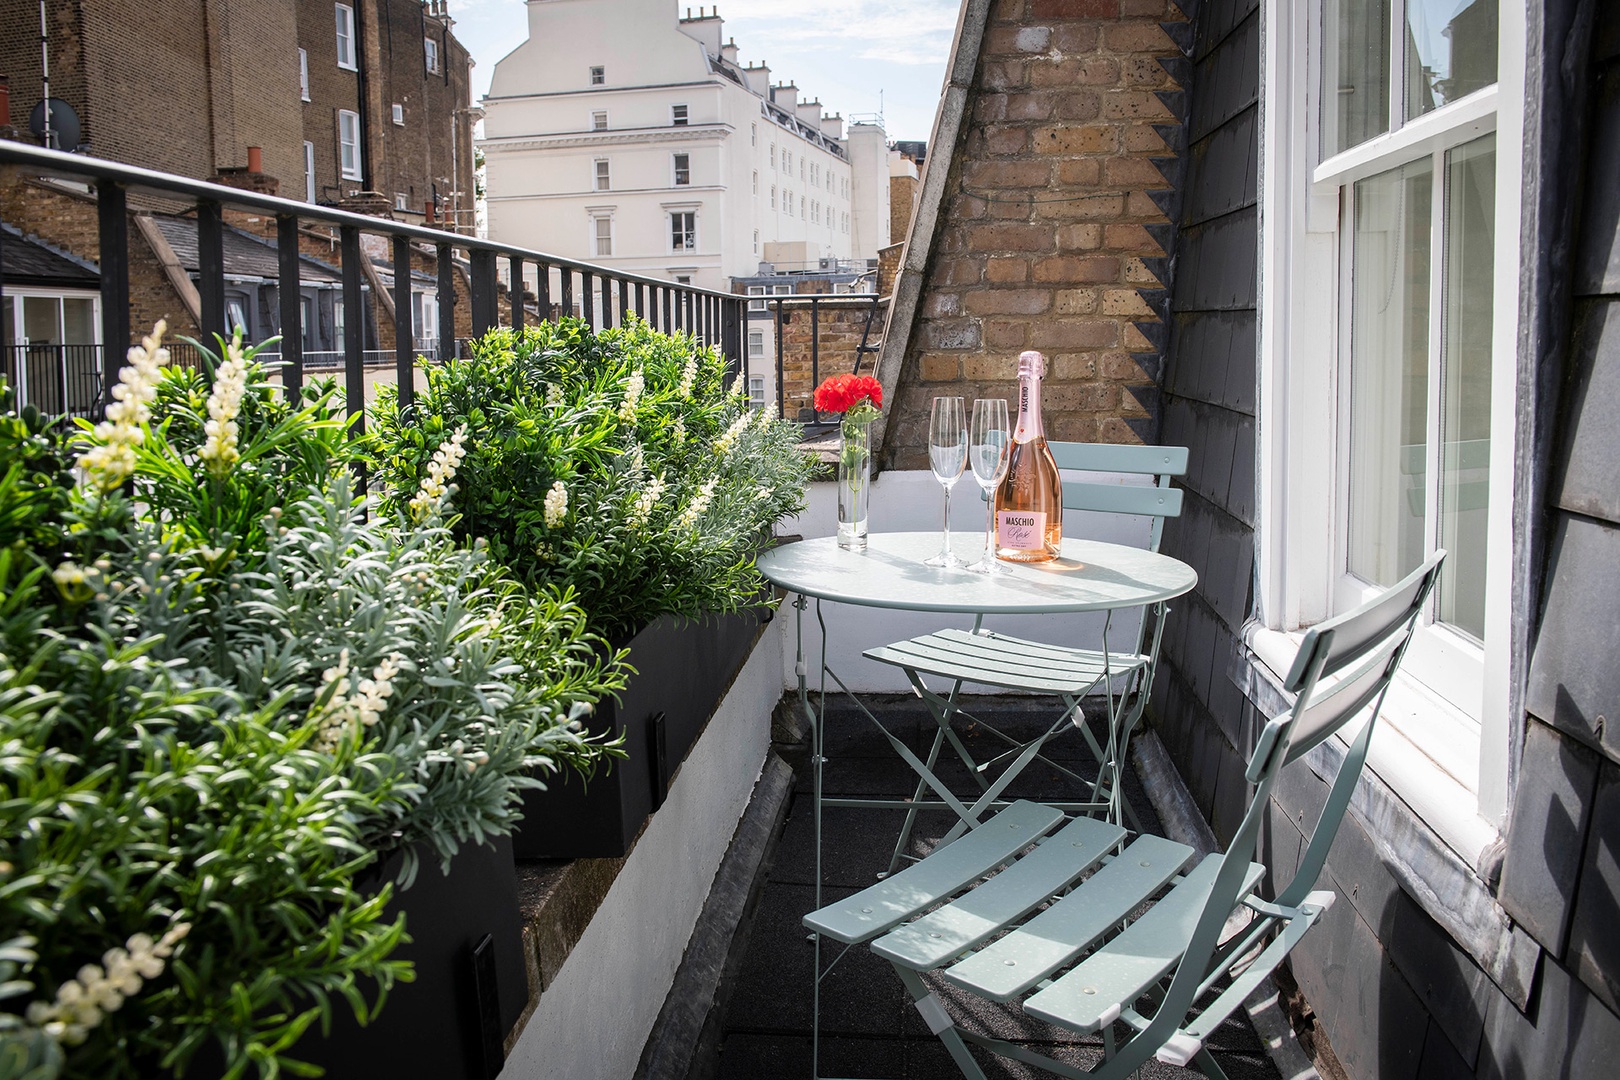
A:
[902,204]
[68,220]
[1050,225]
[840,324]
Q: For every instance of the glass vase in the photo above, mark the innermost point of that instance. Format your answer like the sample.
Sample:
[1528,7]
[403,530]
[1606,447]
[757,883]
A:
[854,480]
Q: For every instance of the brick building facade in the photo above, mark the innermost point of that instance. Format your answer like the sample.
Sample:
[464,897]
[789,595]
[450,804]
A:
[214,77]
[1050,230]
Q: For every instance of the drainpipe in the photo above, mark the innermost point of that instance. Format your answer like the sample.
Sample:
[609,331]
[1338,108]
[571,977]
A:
[45,74]
[362,86]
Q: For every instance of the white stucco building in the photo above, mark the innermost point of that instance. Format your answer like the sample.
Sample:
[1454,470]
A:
[625,134]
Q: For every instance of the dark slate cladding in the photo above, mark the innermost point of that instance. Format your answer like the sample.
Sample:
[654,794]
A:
[1562,875]
[1208,406]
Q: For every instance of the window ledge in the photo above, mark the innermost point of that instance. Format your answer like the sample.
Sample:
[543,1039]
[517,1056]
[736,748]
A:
[1441,800]
[1425,824]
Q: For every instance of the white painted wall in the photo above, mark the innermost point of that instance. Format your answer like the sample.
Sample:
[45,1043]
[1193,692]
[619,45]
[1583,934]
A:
[540,149]
[908,501]
[594,1019]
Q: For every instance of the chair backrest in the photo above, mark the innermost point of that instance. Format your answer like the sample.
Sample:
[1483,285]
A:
[1159,462]
[1360,650]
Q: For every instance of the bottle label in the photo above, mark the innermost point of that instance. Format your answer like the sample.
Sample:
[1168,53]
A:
[1021,530]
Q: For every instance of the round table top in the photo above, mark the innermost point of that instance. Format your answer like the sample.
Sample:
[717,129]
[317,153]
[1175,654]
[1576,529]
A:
[1088,576]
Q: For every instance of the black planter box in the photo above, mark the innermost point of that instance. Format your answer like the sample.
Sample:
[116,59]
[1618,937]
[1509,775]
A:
[471,984]
[682,669]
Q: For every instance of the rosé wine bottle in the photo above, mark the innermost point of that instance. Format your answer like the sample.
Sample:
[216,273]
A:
[1029,503]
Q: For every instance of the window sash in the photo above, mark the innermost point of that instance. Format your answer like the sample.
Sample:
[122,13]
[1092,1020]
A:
[430,53]
[599,120]
[349,159]
[309,172]
[603,179]
[303,75]
[678,116]
[345,37]
[602,237]
[683,230]
[683,169]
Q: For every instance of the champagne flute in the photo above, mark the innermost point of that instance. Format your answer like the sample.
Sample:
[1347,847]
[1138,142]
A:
[947,456]
[989,450]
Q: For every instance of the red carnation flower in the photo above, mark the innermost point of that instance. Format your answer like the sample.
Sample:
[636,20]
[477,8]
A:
[841,393]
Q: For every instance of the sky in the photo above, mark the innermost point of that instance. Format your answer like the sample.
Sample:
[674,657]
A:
[858,56]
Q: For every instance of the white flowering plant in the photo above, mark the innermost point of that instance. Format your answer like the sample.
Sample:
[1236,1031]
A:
[622,465]
[225,689]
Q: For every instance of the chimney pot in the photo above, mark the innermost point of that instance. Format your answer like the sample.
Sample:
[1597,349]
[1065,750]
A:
[255,159]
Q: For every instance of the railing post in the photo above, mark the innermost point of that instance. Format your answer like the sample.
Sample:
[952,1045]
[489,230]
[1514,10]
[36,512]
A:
[587,297]
[624,299]
[815,349]
[211,268]
[404,325]
[641,300]
[113,225]
[354,333]
[515,294]
[485,305]
[543,293]
[567,291]
[781,384]
[607,303]
[447,303]
[290,301]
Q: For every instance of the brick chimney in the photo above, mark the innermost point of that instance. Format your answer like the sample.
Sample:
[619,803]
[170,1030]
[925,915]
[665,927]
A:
[251,178]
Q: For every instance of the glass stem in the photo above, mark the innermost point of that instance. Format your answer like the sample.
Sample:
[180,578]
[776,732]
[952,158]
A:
[945,540]
[990,529]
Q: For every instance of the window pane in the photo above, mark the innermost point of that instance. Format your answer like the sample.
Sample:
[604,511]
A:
[1465,381]
[78,320]
[1389,372]
[42,320]
[1450,51]
[1355,73]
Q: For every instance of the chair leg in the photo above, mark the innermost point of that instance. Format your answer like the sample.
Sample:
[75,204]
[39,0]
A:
[933,1013]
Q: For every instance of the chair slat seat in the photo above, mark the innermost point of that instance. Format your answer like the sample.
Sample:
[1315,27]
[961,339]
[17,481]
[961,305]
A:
[1010,965]
[878,908]
[1013,893]
[1090,995]
[1005,661]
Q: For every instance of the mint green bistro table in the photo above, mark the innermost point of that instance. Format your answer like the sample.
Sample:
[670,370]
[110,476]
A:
[1089,576]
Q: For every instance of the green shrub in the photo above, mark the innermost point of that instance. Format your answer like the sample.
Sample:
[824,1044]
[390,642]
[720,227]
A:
[224,690]
[616,464]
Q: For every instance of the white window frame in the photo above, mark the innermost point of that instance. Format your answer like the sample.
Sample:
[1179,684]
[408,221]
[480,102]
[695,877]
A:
[1429,737]
[601,174]
[756,241]
[303,74]
[757,290]
[398,113]
[598,75]
[756,183]
[14,294]
[402,201]
[676,170]
[680,116]
[691,231]
[756,391]
[309,172]
[773,196]
[599,120]
[347,48]
[430,55]
[356,171]
[598,219]
[756,344]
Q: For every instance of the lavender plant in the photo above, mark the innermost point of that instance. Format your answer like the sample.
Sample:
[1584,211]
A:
[223,691]
[617,464]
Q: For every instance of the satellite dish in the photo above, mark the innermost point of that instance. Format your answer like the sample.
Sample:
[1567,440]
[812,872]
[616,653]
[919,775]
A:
[64,124]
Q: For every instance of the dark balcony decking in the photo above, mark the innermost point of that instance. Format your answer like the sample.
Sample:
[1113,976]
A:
[868,1026]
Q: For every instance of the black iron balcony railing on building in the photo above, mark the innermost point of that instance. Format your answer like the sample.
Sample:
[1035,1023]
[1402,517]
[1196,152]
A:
[604,297]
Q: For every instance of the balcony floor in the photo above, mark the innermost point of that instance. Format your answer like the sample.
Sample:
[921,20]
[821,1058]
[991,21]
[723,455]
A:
[868,1027]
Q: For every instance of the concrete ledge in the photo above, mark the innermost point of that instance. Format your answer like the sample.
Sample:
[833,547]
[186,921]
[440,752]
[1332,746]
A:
[605,937]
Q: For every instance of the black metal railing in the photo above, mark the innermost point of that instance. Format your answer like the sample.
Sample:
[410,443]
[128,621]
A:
[779,311]
[59,380]
[605,296]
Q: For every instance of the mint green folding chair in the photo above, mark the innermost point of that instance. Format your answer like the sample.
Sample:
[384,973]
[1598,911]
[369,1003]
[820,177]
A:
[1159,986]
[1069,674]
